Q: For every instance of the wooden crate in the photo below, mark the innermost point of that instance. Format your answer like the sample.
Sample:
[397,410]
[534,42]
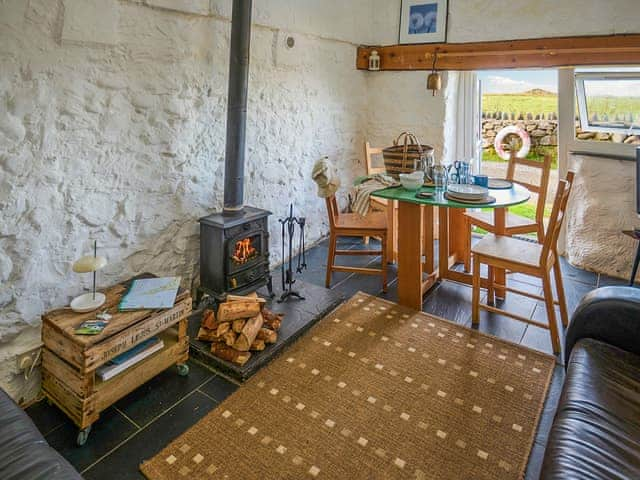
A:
[69,361]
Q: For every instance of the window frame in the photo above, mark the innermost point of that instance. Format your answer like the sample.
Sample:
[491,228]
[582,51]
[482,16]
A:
[581,94]
[568,144]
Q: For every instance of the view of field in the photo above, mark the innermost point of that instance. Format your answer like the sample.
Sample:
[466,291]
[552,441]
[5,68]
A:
[539,101]
[535,101]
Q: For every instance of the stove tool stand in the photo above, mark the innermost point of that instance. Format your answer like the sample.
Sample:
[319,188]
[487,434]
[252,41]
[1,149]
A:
[288,230]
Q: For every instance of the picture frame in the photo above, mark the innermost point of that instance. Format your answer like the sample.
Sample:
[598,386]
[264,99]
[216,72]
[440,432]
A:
[423,21]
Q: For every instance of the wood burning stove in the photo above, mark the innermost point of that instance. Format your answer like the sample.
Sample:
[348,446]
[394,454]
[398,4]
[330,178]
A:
[234,244]
[234,253]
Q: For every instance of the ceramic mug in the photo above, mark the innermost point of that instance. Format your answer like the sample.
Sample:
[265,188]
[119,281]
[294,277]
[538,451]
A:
[481,180]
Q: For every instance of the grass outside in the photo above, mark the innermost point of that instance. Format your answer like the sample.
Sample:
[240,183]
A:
[526,210]
[548,103]
[536,154]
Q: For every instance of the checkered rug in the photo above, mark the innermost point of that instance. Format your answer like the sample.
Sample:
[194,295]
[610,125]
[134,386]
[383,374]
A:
[375,390]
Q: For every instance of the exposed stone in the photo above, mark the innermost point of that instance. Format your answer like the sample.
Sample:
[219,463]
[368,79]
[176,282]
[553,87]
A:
[199,7]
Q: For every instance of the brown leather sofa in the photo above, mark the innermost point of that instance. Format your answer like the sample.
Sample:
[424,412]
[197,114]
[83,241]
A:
[596,430]
[24,453]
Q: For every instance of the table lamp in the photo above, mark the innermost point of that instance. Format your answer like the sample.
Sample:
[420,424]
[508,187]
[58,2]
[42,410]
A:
[89,264]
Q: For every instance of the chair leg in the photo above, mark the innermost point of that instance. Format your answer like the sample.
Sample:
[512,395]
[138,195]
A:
[467,245]
[562,300]
[475,299]
[384,266]
[331,258]
[551,314]
[540,233]
[491,291]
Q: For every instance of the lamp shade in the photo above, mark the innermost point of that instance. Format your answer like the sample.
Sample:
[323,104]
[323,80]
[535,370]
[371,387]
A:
[89,263]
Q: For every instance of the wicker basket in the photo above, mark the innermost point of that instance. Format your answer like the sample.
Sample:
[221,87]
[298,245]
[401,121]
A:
[405,157]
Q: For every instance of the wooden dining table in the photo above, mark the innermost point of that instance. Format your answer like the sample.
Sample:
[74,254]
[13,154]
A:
[417,272]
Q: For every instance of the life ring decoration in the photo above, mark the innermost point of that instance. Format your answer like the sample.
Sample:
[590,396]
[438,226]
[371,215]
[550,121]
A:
[507,131]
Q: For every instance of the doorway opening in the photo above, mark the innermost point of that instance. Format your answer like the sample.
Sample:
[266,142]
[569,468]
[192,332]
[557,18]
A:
[519,110]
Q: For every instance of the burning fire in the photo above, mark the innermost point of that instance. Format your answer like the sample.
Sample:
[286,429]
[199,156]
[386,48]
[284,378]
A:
[244,251]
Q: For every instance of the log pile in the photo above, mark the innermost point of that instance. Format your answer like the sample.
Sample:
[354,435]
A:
[242,325]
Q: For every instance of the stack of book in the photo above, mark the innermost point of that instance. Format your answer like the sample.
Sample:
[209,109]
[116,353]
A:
[129,358]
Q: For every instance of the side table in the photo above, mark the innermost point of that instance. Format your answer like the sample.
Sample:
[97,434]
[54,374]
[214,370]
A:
[69,361]
[635,234]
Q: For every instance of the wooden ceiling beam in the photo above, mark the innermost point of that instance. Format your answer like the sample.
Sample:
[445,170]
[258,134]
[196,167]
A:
[533,53]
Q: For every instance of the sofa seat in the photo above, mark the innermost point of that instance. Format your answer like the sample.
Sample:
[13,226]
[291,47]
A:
[596,431]
[24,453]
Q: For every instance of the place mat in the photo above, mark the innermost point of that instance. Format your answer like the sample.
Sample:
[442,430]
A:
[500,184]
[482,201]
[374,391]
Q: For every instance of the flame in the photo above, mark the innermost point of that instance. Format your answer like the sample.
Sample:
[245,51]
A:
[244,251]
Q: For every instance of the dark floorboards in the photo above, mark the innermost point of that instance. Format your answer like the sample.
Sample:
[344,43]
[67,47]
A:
[145,421]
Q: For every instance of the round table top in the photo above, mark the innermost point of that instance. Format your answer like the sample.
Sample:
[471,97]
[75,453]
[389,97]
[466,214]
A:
[504,197]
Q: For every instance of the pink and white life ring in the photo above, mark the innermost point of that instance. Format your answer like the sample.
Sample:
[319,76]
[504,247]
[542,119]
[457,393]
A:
[512,130]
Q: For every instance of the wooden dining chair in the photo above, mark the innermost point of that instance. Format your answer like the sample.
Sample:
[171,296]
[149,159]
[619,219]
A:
[516,225]
[529,258]
[354,225]
[380,204]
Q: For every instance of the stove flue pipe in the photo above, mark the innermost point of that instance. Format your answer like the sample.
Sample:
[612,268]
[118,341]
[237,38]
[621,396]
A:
[237,107]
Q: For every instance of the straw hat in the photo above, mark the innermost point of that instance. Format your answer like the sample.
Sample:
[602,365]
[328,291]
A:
[324,174]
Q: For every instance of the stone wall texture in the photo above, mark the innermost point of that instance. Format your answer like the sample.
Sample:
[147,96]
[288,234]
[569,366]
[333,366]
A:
[112,117]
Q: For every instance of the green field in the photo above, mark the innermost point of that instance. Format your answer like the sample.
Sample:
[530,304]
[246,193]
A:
[520,103]
[548,103]
[490,155]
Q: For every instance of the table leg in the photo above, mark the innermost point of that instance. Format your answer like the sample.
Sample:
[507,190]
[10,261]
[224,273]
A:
[636,263]
[392,236]
[409,255]
[427,239]
[456,234]
[500,276]
[443,242]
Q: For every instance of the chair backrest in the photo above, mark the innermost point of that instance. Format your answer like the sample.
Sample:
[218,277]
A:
[557,216]
[369,152]
[332,210]
[542,188]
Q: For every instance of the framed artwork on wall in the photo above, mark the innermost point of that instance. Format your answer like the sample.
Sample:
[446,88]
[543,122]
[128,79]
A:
[423,21]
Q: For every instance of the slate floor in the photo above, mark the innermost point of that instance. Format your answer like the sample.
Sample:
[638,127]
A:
[141,424]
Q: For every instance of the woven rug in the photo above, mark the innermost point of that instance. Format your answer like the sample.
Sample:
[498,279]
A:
[373,391]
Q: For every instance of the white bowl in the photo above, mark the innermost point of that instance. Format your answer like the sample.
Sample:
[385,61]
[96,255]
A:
[412,181]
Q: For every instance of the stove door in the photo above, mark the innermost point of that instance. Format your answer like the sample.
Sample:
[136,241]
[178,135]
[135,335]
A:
[244,251]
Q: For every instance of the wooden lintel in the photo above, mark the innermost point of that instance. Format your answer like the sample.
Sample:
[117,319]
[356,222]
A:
[534,53]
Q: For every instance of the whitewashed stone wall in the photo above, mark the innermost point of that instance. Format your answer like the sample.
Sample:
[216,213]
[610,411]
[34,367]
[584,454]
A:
[112,118]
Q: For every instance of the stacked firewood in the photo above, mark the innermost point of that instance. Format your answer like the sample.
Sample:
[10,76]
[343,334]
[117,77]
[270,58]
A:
[242,324]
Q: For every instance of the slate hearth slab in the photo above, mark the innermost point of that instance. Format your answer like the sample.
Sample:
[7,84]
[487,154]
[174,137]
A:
[300,315]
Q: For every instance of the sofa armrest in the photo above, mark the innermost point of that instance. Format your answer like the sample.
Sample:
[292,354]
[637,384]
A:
[609,314]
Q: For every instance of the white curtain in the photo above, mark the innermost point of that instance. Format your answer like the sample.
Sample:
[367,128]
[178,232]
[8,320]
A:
[467,141]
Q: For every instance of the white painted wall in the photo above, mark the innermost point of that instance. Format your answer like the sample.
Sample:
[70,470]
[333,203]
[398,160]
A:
[112,119]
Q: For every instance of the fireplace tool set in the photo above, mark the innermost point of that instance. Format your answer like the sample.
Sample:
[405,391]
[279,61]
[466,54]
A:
[288,232]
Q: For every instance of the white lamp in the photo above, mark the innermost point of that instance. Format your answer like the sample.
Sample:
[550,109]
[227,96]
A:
[89,264]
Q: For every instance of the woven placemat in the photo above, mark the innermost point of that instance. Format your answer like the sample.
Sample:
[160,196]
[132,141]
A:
[375,390]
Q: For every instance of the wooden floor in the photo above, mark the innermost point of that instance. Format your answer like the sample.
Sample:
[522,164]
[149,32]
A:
[145,421]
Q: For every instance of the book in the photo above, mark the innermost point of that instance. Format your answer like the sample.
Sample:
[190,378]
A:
[151,294]
[91,327]
[129,358]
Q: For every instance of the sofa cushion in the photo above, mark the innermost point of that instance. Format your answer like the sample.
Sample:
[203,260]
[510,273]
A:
[596,431]
[24,453]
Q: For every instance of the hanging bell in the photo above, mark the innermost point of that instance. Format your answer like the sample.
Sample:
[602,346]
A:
[434,82]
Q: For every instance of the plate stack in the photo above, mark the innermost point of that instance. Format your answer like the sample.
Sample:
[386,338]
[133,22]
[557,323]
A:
[469,194]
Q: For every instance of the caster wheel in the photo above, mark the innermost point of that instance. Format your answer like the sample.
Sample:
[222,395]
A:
[183,369]
[83,436]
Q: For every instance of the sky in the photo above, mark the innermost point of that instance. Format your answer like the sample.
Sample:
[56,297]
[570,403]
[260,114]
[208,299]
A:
[516,81]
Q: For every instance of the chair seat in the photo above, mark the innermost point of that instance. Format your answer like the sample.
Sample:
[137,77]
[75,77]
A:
[509,249]
[485,220]
[353,221]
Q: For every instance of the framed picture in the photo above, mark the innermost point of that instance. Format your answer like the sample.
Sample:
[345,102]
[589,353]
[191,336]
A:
[423,21]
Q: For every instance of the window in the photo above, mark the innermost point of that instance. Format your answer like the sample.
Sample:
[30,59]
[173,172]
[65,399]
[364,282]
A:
[609,102]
